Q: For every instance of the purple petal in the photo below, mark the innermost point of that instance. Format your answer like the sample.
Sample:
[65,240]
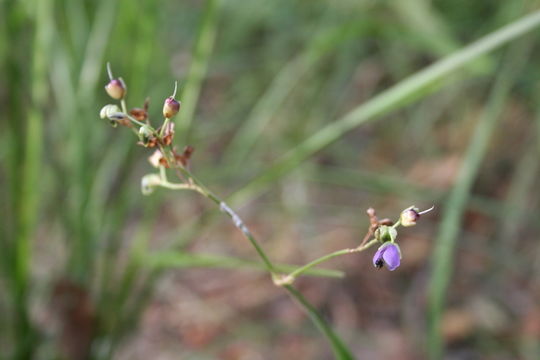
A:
[378,257]
[391,256]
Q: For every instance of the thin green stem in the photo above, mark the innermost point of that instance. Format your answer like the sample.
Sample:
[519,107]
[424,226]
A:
[163,173]
[109,71]
[135,121]
[165,123]
[172,186]
[131,118]
[340,349]
[289,279]
[175,89]
[197,185]
[124,106]
[341,352]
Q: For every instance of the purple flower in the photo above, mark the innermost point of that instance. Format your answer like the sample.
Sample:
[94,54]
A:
[388,254]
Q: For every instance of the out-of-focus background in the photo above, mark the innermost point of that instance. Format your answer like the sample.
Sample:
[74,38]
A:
[92,269]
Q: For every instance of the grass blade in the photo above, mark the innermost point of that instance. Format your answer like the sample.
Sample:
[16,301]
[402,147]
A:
[341,352]
[397,96]
[280,89]
[442,258]
[197,70]
[185,260]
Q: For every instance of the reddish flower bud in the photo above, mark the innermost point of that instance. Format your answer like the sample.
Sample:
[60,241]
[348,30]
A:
[410,215]
[170,107]
[116,89]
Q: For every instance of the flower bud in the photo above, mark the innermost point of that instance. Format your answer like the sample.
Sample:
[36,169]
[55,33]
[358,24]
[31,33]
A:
[385,233]
[115,115]
[116,88]
[145,134]
[109,110]
[409,216]
[149,182]
[170,107]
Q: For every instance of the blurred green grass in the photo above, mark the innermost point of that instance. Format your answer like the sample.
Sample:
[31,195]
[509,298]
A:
[275,74]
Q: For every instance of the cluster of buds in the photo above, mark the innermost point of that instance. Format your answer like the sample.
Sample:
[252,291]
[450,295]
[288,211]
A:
[389,254]
[165,156]
[137,119]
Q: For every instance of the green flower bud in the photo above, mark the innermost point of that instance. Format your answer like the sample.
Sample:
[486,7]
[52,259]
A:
[145,134]
[108,110]
[385,233]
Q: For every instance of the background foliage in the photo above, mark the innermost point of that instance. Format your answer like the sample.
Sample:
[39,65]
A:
[86,259]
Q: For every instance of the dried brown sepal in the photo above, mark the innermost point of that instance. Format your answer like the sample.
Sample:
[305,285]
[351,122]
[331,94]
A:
[168,133]
[157,159]
[180,160]
[125,122]
[146,104]
[150,143]
[184,158]
[188,151]
[139,114]
[374,224]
